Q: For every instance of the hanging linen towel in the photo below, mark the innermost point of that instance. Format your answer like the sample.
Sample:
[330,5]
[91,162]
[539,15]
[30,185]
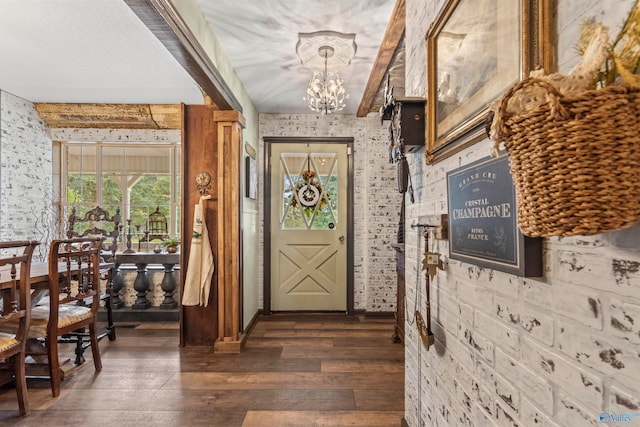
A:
[200,267]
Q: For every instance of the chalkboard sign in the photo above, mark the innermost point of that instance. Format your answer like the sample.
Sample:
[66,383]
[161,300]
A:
[483,219]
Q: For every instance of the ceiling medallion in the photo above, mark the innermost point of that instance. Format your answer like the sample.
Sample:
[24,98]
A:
[344,48]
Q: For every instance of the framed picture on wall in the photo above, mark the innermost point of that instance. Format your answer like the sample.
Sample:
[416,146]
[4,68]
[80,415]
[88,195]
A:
[483,219]
[476,50]
[251,177]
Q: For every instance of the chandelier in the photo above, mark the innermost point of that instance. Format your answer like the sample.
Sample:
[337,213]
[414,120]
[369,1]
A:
[325,93]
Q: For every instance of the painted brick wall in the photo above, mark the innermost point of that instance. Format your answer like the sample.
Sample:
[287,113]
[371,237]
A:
[25,170]
[376,200]
[116,135]
[553,351]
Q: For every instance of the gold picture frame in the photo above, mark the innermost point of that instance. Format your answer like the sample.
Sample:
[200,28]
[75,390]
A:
[476,50]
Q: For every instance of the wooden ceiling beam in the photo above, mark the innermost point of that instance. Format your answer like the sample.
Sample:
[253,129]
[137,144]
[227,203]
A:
[388,46]
[167,25]
[112,116]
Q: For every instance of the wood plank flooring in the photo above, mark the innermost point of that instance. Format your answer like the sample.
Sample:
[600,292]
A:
[296,371]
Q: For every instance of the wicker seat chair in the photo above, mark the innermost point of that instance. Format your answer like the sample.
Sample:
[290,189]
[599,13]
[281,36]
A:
[74,298]
[15,293]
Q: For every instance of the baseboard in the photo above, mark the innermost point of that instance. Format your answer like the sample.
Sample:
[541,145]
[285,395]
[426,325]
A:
[380,314]
[374,314]
[252,322]
[221,346]
[354,313]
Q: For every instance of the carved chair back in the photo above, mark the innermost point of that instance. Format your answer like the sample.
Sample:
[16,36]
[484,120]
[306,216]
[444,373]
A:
[97,222]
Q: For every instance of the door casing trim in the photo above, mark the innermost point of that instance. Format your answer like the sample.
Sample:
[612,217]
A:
[266,227]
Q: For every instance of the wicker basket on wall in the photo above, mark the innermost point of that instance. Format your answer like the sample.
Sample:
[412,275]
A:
[575,159]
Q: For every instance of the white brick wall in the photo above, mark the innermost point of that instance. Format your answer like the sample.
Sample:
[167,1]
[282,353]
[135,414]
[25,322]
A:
[376,199]
[25,170]
[510,351]
[116,135]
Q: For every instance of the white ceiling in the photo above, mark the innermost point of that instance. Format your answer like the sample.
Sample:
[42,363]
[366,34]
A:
[86,51]
[98,51]
[260,38]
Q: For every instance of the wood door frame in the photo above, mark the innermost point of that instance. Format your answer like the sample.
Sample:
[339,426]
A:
[266,227]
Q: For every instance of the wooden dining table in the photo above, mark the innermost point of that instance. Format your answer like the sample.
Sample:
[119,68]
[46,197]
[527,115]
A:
[39,274]
[39,279]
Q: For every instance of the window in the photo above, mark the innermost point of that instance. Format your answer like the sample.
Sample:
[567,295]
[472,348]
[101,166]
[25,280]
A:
[309,191]
[139,179]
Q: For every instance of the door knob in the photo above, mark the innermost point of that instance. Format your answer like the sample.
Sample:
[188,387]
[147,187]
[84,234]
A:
[341,238]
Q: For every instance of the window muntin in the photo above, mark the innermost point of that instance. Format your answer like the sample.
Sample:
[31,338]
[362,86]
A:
[136,178]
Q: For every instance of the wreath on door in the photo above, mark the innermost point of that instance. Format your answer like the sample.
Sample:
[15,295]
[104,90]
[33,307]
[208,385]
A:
[308,191]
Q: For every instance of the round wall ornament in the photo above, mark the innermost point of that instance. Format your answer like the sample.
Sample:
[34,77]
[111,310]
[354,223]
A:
[308,195]
[309,192]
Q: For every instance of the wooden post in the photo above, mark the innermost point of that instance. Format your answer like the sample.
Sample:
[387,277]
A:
[212,142]
[198,325]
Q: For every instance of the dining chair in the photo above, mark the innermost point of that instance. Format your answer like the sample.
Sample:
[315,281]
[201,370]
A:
[74,298]
[15,293]
[98,222]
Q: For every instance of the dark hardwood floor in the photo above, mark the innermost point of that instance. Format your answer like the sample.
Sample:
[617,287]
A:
[297,371]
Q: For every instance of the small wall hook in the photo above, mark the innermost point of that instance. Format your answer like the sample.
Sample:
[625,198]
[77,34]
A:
[203,181]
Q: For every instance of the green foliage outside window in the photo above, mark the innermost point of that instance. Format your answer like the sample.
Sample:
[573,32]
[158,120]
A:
[325,213]
[83,189]
[148,191]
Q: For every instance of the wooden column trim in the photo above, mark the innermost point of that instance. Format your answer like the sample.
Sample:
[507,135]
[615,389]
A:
[229,245]
[230,116]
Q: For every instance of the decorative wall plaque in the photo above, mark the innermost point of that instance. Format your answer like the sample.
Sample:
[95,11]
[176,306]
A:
[483,223]
[250,151]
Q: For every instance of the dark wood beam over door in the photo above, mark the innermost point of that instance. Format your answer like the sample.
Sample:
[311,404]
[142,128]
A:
[390,41]
[167,25]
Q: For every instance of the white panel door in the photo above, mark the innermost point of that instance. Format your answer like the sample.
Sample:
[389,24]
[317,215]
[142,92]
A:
[309,227]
